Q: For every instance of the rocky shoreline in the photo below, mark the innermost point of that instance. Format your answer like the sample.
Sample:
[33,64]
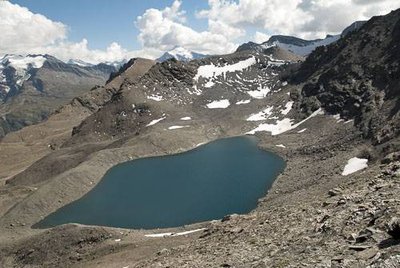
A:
[308,205]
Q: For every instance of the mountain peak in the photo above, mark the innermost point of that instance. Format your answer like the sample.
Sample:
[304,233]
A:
[180,54]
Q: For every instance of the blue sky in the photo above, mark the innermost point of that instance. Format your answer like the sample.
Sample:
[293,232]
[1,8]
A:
[109,30]
[106,21]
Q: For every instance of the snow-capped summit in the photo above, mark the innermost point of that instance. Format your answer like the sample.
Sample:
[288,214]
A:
[299,46]
[15,69]
[79,63]
[293,44]
[117,64]
[181,54]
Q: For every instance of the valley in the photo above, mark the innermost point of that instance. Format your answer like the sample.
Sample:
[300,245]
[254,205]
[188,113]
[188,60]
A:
[332,115]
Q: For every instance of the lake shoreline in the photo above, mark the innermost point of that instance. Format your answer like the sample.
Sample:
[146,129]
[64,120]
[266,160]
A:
[286,193]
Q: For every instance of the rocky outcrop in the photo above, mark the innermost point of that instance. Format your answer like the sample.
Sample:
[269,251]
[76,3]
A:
[358,78]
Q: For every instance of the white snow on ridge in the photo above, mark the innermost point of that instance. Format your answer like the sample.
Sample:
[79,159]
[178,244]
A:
[155,121]
[301,131]
[307,49]
[263,115]
[242,102]
[186,118]
[220,104]
[209,71]
[20,62]
[354,164]
[181,52]
[282,126]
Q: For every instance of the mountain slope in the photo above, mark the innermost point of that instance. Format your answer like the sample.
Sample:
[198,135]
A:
[21,148]
[34,86]
[359,78]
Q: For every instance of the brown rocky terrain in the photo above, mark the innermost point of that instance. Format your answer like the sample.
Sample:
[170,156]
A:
[313,216]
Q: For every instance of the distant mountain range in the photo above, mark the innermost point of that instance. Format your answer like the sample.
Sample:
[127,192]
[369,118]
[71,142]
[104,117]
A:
[116,64]
[33,86]
[297,45]
[180,54]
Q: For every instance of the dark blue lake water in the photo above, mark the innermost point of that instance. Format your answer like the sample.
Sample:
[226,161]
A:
[223,177]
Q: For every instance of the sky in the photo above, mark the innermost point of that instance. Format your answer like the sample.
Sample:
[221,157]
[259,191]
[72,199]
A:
[104,30]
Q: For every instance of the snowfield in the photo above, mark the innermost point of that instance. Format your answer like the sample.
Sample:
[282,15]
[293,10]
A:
[155,121]
[212,71]
[260,93]
[282,126]
[22,63]
[354,164]
[263,115]
[242,102]
[220,104]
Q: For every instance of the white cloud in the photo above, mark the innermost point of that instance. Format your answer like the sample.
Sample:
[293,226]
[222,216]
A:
[260,37]
[21,29]
[303,18]
[80,50]
[165,29]
[23,32]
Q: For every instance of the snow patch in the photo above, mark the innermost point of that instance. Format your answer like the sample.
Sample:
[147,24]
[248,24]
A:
[242,102]
[260,93]
[288,107]
[209,71]
[282,126]
[220,104]
[186,118]
[263,115]
[280,145]
[354,164]
[195,91]
[175,234]
[155,121]
[301,131]
[209,84]
[155,97]
[177,127]
[19,62]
